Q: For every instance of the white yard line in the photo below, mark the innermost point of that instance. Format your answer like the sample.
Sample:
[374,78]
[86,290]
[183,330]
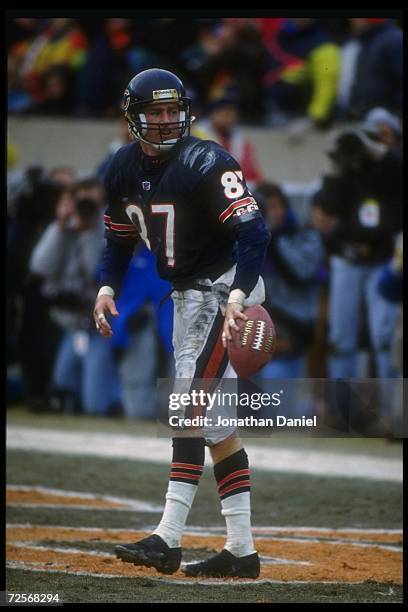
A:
[80,507]
[206,531]
[28,566]
[271,529]
[158,450]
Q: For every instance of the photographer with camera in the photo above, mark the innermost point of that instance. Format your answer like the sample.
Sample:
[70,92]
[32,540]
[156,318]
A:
[358,210]
[31,205]
[67,257]
[291,273]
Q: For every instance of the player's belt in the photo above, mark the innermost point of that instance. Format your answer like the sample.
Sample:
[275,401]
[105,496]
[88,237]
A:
[185,287]
[195,284]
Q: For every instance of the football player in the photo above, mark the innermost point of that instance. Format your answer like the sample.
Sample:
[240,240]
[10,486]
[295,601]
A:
[188,200]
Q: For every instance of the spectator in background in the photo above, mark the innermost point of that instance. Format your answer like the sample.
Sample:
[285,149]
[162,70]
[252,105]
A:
[387,129]
[358,210]
[222,126]
[18,98]
[154,38]
[15,176]
[391,281]
[19,35]
[31,210]
[57,42]
[58,99]
[386,125]
[197,56]
[66,258]
[390,286]
[19,30]
[12,154]
[100,83]
[143,320]
[230,55]
[91,188]
[301,78]
[291,273]
[376,68]
[63,175]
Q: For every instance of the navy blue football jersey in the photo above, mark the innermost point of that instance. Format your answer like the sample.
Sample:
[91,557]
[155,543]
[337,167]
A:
[184,206]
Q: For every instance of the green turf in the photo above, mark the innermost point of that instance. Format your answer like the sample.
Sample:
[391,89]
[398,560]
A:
[19,415]
[78,589]
[277,499]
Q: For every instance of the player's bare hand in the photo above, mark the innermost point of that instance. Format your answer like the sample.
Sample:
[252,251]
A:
[104,305]
[234,311]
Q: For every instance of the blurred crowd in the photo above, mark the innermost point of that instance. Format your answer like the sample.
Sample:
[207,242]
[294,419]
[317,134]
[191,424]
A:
[333,269]
[300,73]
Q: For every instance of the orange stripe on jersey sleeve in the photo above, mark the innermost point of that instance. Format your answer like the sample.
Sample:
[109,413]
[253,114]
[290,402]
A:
[123,227]
[233,206]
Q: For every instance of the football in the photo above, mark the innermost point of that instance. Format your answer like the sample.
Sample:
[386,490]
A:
[254,344]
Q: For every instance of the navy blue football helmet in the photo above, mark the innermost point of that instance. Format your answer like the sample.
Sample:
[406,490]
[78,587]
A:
[150,87]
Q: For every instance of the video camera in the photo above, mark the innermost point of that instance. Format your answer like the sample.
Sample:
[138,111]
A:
[88,210]
[350,148]
[36,196]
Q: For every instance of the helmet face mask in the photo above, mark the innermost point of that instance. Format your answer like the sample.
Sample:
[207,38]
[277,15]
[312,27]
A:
[165,135]
[152,87]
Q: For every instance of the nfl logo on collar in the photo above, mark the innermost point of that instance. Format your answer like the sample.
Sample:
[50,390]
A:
[146,185]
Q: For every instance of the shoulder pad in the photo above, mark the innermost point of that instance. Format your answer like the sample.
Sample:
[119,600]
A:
[202,155]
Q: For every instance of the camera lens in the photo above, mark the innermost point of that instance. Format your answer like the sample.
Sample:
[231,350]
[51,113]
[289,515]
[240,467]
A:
[87,208]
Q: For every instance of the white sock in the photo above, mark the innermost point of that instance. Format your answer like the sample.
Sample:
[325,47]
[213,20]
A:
[237,512]
[179,498]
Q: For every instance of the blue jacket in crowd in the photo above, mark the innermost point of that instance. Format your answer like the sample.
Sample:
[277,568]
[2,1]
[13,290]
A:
[141,285]
[390,285]
[292,270]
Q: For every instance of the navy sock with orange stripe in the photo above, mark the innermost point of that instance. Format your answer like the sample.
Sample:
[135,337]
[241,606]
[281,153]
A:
[232,476]
[186,469]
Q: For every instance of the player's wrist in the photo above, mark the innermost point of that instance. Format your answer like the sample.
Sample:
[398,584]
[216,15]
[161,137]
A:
[105,290]
[236,296]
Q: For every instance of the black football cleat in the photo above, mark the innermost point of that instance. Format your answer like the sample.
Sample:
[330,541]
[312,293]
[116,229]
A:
[151,552]
[226,565]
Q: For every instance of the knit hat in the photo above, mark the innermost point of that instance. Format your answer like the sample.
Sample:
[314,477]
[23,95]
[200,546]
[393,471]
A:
[381,115]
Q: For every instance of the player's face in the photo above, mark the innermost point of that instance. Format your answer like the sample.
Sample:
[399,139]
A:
[165,116]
